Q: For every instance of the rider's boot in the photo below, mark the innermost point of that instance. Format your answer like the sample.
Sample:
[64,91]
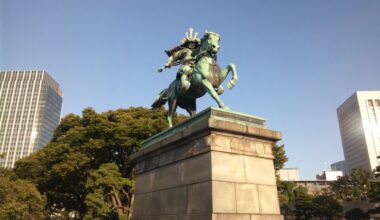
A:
[185,84]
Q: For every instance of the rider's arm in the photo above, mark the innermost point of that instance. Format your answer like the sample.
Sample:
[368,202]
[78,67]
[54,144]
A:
[168,64]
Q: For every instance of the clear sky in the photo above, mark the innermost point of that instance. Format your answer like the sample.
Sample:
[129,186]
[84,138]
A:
[297,60]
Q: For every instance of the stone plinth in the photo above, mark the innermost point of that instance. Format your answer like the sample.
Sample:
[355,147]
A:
[217,165]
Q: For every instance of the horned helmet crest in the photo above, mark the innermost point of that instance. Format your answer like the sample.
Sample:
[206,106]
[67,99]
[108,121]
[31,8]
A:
[191,41]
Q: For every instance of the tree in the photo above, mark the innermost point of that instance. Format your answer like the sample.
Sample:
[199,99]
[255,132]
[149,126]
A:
[286,191]
[295,201]
[284,188]
[64,168]
[280,157]
[325,206]
[19,199]
[355,214]
[361,180]
[374,197]
[342,188]
[107,193]
[354,187]
[303,204]
[300,204]
[286,197]
[374,192]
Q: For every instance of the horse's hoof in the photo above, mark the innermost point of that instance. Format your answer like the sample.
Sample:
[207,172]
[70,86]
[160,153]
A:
[230,85]
[225,108]
[220,90]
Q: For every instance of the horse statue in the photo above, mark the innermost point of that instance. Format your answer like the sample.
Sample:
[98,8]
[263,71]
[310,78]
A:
[206,77]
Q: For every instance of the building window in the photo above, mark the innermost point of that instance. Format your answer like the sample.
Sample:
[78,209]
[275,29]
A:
[370,103]
[377,103]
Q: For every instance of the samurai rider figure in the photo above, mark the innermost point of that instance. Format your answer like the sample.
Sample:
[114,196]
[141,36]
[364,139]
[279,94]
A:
[182,54]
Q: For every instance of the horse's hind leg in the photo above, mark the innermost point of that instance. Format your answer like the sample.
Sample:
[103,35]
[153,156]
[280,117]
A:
[172,109]
[191,111]
[190,105]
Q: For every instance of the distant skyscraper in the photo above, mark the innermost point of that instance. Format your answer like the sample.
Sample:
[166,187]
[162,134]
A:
[340,166]
[359,123]
[30,108]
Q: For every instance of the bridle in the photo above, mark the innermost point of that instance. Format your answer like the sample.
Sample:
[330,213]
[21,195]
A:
[203,52]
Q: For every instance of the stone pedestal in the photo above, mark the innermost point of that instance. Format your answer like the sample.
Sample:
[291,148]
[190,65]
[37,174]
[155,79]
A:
[217,165]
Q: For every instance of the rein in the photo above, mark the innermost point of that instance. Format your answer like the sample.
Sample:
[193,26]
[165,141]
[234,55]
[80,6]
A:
[203,53]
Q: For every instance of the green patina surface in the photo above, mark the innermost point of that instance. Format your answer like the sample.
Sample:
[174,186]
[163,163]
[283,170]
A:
[209,113]
[199,74]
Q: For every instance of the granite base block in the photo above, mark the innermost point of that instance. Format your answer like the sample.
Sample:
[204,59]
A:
[217,165]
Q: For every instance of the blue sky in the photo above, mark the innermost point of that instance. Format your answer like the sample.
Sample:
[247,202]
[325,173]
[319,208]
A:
[297,60]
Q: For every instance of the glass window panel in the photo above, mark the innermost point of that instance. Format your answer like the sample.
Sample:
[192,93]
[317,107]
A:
[370,103]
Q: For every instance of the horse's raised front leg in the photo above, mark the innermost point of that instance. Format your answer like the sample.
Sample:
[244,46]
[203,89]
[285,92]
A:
[220,90]
[210,89]
[172,109]
[223,75]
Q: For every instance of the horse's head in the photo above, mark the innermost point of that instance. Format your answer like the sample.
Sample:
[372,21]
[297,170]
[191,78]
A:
[210,42]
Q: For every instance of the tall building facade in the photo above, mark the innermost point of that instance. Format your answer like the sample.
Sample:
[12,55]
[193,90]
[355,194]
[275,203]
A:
[30,108]
[359,123]
[340,166]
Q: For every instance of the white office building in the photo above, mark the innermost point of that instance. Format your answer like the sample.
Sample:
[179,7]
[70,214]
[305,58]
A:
[359,123]
[329,175]
[289,174]
[30,108]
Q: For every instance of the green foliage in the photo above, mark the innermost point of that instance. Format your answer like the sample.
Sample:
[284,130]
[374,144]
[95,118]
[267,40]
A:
[374,193]
[303,205]
[286,192]
[107,193]
[300,204]
[70,170]
[326,206]
[374,196]
[342,188]
[280,157]
[361,180]
[295,200]
[19,199]
[354,187]
[359,186]
[284,188]
[279,161]
[355,214]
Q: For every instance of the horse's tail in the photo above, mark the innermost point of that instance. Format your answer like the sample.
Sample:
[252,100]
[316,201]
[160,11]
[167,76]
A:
[161,99]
